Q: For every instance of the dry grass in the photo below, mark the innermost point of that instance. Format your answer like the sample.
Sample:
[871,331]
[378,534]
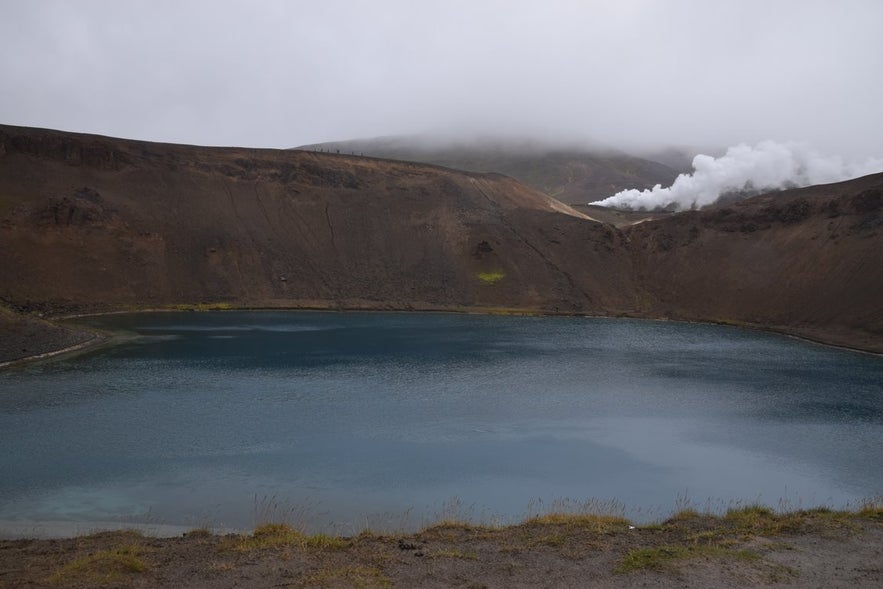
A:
[872,508]
[106,567]
[361,577]
[684,515]
[734,545]
[665,558]
[600,524]
[707,536]
[759,520]
[199,533]
[454,553]
[270,536]
[221,567]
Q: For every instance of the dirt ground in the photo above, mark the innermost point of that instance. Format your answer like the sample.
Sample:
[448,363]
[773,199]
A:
[751,547]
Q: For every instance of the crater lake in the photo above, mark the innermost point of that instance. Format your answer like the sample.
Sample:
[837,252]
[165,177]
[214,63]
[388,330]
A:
[342,421]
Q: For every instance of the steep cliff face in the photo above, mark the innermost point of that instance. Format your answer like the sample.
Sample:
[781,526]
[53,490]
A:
[93,223]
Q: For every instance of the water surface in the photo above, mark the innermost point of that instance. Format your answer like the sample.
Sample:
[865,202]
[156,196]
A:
[337,421]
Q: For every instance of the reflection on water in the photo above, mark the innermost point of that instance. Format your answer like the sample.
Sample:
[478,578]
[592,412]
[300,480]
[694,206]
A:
[341,419]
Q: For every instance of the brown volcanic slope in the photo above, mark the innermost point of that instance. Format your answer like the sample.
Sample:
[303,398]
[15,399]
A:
[90,223]
[806,261]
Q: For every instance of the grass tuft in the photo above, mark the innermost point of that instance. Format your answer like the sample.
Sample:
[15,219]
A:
[595,522]
[685,515]
[656,559]
[101,568]
[269,536]
[664,558]
[760,519]
[593,514]
[198,533]
[872,508]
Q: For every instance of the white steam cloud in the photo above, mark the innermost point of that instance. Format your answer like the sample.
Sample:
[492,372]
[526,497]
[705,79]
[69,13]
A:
[766,166]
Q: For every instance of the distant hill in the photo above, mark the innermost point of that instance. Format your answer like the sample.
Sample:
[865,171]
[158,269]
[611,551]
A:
[91,223]
[569,174]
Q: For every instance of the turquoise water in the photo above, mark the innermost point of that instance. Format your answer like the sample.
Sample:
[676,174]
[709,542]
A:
[337,421]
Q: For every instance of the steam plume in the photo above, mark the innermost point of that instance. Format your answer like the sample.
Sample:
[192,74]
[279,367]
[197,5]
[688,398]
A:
[766,166]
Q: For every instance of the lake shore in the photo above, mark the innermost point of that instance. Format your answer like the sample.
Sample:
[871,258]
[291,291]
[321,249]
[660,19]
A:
[747,547]
[27,338]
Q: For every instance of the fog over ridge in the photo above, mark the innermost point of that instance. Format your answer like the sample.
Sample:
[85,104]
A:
[277,73]
[768,165]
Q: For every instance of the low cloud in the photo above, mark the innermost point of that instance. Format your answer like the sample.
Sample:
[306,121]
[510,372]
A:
[744,169]
[635,74]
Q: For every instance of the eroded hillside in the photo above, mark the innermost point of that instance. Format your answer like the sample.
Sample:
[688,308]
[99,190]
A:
[806,261]
[91,223]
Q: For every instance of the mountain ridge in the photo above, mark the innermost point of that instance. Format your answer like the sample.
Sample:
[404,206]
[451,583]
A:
[572,174]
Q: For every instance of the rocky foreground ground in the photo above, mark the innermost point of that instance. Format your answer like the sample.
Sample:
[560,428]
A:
[748,547]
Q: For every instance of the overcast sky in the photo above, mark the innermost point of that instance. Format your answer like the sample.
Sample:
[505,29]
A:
[279,73]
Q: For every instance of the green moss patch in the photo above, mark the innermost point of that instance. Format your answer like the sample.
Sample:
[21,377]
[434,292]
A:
[490,278]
